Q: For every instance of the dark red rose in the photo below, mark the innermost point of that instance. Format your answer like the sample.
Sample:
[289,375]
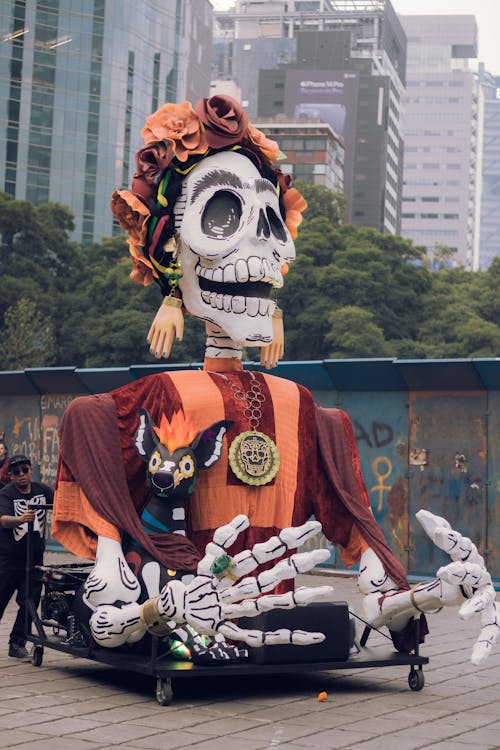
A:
[224,120]
[151,161]
[284,180]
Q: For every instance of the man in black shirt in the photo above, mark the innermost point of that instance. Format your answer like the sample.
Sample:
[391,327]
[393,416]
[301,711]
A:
[14,519]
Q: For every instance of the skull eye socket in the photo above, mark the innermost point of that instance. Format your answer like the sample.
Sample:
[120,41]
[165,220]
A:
[276,225]
[154,462]
[221,215]
[186,467]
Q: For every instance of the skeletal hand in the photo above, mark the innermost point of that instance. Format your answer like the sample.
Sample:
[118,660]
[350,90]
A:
[468,575]
[209,602]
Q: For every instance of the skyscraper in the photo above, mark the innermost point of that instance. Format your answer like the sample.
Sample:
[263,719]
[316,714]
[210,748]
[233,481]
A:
[77,80]
[441,127]
[489,235]
[342,61]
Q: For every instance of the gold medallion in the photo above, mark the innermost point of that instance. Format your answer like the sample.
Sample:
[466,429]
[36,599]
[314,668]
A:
[254,457]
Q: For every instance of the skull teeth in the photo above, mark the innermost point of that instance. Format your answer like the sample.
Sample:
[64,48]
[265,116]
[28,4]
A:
[253,268]
[253,306]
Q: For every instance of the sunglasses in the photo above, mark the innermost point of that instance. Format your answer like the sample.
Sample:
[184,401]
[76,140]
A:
[17,470]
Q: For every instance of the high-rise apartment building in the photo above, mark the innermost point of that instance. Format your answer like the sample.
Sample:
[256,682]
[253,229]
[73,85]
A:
[441,130]
[342,61]
[489,211]
[77,80]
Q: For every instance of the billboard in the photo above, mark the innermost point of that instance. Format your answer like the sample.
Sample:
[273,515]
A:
[331,96]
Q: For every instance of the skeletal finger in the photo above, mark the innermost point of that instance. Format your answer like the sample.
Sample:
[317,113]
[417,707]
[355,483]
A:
[478,602]
[226,535]
[490,620]
[256,638]
[289,538]
[457,546]
[431,523]
[251,587]
[464,574]
[301,597]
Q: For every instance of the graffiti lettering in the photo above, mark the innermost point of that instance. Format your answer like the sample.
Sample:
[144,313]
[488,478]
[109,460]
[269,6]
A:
[378,434]
[55,402]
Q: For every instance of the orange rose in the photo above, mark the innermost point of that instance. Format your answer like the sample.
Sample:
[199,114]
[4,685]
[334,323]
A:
[294,204]
[142,271]
[132,214]
[268,148]
[180,126]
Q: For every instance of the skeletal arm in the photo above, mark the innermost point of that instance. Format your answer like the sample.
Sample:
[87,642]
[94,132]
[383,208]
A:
[465,581]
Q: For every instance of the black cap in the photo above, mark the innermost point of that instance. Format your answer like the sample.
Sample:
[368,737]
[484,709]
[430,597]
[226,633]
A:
[19,458]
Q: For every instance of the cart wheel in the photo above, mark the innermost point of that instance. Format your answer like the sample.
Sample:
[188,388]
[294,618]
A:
[416,679]
[37,656]
[164,691]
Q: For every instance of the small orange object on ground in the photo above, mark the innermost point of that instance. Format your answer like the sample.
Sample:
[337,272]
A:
[322,696]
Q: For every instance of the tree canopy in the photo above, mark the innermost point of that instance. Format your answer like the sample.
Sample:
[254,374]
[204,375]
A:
[352,292]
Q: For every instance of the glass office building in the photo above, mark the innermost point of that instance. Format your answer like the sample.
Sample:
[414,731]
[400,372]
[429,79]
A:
[77,80]
[489,236]
[441,132]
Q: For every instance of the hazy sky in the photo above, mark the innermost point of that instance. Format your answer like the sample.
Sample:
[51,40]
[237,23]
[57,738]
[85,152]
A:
[487,14]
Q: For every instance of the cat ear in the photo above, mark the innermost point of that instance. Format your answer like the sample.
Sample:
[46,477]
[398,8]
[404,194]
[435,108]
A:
[146,439]
[207,445]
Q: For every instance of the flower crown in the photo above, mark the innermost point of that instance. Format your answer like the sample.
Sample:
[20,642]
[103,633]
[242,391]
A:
[176,138]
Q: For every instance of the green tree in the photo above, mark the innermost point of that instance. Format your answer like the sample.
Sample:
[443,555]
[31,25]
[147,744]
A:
[354,333]
[28,339]
[323,202]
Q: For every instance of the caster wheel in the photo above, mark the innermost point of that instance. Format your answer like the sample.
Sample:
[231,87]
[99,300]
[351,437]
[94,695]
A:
[416,679]
[163,691]
[37,656]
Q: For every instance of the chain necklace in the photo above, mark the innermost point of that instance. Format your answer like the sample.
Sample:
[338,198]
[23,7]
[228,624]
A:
[253,455]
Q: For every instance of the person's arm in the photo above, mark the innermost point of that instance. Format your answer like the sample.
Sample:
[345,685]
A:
[10,522]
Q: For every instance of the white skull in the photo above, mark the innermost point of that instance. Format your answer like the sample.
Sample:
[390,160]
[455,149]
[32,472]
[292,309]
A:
[233,244]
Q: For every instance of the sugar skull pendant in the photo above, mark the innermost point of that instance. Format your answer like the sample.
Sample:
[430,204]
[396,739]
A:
[254,457]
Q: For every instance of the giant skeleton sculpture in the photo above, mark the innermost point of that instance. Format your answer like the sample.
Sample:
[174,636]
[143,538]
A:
[213,223]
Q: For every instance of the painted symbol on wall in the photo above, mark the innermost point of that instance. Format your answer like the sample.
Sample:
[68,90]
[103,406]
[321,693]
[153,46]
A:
[382,468]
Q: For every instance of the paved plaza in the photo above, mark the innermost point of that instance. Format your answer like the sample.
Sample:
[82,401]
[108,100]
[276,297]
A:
[75,703]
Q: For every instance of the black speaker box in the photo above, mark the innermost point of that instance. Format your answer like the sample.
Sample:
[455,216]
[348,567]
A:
[330,618]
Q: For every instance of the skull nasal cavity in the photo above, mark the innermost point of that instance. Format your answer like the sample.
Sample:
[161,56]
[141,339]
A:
[263,229]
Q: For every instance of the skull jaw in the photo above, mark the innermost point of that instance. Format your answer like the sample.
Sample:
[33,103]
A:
[246,320]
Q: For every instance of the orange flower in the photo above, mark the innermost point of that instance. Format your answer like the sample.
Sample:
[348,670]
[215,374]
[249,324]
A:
[268,148]
[180,126]
[132,214]
[142,271]
[294,204]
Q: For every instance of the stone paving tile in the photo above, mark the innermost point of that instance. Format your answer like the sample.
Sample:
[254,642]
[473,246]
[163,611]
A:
[23,719]
[13,737]
[89,707]
[141,712]
[393,742]
[459,744]
[484,735]
[61,727]
[169,741]
[165,718]
[228,725]
[270,732]
[338,738]
[232,743]
[57,743]
[115,734]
